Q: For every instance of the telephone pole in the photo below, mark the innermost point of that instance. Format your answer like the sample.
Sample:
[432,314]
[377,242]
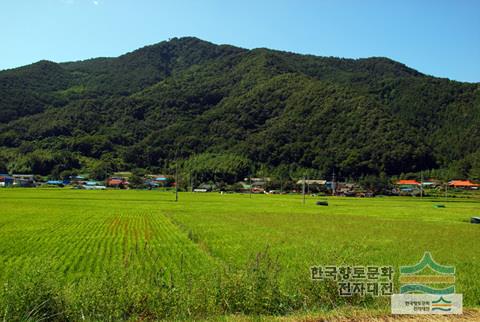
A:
[176,175]
[303,189]
[250,184]
[176,181]
[191,182]
[333,183]
[421,184]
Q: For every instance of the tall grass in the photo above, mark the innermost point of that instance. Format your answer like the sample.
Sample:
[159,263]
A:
[123,294]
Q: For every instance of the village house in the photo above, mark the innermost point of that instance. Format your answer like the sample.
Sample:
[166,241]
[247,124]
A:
[78,180]
[256,185]
[346,189]
[93,185]
[463,184]
[431,183]
[6,180]
[59,183]
[24,180]
[157,180]
[253,185]
[258,181]
[205,187]
[408,183]
[117,182]
[313,182]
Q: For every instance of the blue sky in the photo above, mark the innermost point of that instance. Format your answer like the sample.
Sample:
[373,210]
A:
[436,37]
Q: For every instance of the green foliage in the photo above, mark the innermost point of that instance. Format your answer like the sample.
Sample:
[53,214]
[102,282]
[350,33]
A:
[101,170]
[44,162]
[186,97]
[376,184]
[136,181]
[3,164]
[32,294]
[91,145]
[217,167]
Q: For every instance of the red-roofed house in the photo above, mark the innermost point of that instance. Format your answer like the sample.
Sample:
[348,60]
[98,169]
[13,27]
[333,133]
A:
[117,182]
[408,183]
[464,184]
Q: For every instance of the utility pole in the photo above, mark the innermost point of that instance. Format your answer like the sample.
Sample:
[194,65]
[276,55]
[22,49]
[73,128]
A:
[303,189]
[333,183]
[176,181]
[176,175]
[250,185]
[421,184]
[308,186]
[191,182]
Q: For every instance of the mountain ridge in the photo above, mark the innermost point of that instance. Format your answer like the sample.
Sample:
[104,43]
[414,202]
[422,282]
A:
[188,97]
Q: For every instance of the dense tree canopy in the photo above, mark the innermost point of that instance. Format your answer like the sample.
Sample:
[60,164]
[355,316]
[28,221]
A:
[226,111]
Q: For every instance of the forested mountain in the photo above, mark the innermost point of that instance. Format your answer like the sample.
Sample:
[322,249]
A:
[230,111]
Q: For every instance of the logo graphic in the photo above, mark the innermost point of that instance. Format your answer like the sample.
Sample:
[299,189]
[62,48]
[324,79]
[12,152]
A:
[442,305]
[427,288]
[416,282]
[357,280]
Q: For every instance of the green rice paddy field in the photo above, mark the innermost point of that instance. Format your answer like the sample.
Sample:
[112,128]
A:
[138,255]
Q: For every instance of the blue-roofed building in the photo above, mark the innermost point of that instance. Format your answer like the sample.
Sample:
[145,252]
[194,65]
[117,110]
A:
[158,180]
[55,182]
[6,180]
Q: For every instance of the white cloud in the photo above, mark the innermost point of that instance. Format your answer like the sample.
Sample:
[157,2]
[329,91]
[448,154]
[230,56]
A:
[95,2]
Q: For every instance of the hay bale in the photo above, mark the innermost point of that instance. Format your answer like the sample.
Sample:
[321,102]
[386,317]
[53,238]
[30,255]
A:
[475,220]
[322,203]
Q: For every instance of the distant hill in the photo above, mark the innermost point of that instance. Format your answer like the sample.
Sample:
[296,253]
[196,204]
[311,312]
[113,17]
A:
[229,111]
